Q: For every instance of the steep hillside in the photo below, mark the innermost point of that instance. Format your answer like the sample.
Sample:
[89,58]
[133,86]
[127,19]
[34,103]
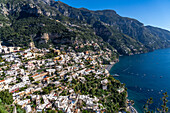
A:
[49,23]
[122,42]
[128,26]
[29,21]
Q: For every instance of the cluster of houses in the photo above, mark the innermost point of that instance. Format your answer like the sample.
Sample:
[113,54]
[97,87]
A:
[5,49]
[24,73]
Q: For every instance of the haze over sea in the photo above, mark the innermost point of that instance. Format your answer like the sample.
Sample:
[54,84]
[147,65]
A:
[145,75]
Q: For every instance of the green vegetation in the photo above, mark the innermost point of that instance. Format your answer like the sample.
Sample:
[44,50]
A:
[146,107]
[2,108]
[163,108]
[6,97]
[6,100]
[19,34]
[110,98]
[164,105]
[48,89]
[83,30]
[126,35]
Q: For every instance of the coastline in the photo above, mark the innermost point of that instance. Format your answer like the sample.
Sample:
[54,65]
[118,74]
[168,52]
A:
[131,108]
[134,109]
[108,67]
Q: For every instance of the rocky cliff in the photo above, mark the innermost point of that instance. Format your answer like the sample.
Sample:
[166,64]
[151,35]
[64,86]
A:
[29,20]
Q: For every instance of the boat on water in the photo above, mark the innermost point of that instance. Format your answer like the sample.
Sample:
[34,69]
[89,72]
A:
[115,75]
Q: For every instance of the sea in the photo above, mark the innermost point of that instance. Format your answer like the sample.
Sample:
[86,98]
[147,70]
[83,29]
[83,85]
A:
[145,75]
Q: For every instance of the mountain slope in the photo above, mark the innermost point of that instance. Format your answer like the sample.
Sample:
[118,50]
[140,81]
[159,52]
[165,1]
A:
[128,26]
[24,21]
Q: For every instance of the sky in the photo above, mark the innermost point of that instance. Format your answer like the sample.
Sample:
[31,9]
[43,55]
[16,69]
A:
[149,12]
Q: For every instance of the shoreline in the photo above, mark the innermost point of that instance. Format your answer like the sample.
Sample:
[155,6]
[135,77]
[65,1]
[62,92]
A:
[135,111]
[109,67]
[131,109]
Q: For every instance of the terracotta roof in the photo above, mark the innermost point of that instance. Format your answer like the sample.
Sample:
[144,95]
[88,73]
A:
[74,68]
[35,75]
[88,70]
[2,80]
[46,78]
[41,74]
[25,54]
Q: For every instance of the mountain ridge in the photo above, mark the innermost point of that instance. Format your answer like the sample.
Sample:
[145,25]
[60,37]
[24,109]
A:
[127,35]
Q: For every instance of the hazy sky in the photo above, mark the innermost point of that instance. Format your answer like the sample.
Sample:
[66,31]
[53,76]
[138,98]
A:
[149,12]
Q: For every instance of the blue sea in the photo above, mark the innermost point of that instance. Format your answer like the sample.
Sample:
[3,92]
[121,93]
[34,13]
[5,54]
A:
[145,75]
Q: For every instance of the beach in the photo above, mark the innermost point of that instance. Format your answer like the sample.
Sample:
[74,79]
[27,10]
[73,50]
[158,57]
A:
[108,67]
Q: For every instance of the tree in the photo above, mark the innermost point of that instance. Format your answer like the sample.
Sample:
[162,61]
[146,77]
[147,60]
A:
[42,100]
[6,97]
[45,91]
[85,111]
[74,81]
[146,106]
[60,111]
[164,105]
[31,79]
